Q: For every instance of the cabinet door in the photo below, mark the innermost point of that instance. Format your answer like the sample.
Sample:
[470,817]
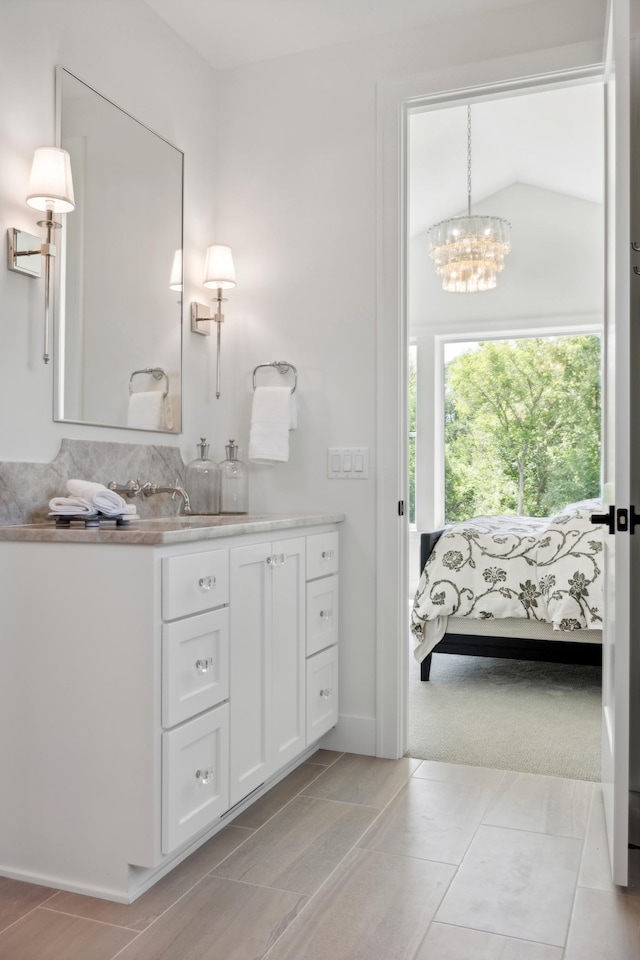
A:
[195,776]
[250,667]
[322,693]
[287,726]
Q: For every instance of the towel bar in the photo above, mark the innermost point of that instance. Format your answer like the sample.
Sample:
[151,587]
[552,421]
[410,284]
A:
[282,366]
[156,372]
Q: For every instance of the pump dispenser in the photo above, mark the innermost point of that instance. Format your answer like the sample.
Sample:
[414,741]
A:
[234,482]
[202,481]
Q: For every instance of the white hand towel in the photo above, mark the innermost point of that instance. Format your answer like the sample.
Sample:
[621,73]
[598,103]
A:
[72,506]
[107,501]
[271,419]
[149,411]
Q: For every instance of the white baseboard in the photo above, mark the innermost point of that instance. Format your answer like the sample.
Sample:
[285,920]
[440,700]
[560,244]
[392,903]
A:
[352,735]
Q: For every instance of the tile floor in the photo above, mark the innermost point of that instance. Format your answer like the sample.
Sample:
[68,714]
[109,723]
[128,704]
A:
[355,858]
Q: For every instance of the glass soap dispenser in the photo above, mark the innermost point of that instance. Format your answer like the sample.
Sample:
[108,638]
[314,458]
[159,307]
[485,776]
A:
[234,482]
[202,481]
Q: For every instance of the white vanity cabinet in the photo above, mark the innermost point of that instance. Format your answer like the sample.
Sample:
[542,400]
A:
[147,686]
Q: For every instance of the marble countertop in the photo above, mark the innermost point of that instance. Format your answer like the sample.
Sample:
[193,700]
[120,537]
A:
[160,530]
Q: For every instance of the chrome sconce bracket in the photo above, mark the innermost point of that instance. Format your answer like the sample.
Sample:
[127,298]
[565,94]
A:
[24,252]
[200,315]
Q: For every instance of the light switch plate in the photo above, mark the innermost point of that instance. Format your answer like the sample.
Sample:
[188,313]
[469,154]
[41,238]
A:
[348,463]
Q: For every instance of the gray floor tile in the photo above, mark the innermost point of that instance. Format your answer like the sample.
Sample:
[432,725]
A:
[263,809]
[459,773]
[605,926]
[147,908]
[367,780]
[299,847]
[45,935]
[528,801]
[595,869]
[515,883]
[457,943]
[18,898]
[377,907]
[325,757]
[217,920]
[430,819]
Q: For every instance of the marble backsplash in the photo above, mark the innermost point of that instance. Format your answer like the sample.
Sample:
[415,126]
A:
[26,488]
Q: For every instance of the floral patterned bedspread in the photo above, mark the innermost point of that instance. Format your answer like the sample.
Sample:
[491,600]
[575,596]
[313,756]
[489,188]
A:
[492,567]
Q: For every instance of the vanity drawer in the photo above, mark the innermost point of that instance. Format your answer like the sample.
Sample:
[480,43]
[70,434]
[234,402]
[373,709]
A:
[195,776]
[195,665]
[322,614]
[322,555]
[194,582]
[322,693]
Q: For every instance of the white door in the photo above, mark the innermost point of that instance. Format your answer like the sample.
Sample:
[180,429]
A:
[617,444]
[249,667]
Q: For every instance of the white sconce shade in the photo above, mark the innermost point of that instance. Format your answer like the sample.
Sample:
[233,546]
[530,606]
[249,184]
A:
[51,184]
[175,282]
[218,269]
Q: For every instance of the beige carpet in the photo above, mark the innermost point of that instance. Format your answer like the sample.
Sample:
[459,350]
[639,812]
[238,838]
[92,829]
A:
[507,714]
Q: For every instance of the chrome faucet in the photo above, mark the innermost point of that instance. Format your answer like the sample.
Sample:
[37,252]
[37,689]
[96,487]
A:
[150,488]
[130,489]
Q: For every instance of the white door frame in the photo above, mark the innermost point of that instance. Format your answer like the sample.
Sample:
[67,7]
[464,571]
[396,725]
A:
[492,78]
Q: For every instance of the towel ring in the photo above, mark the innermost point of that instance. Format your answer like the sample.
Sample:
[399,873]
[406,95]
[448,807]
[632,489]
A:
[157,373]
[282,366]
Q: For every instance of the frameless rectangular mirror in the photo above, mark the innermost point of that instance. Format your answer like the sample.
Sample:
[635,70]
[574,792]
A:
[118,308]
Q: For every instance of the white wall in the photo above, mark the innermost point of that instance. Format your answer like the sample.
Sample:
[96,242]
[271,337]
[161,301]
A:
[123,50]
[298,200]
[294,193]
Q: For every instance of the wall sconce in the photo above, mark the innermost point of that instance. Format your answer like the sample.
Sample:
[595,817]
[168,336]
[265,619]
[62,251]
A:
[219,274]
[50,190]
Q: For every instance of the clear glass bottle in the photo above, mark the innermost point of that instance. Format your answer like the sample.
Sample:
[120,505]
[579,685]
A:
[202,481]
[234,482]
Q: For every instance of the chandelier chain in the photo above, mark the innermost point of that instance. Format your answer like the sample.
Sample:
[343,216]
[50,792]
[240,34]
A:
[469,159]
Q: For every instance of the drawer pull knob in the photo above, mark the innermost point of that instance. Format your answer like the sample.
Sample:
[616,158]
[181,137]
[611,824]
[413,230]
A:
[328,554]
[203,665]
[207,583]
[326,614]
[326,693]
[205,776]
[276,559]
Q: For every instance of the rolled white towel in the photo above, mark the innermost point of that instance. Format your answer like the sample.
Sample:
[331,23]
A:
[72,506]
[107,501]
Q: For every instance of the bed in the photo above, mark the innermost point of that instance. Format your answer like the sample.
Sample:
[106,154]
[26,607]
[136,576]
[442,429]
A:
[513,587]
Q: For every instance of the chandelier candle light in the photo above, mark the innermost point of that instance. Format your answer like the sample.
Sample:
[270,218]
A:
[469,251]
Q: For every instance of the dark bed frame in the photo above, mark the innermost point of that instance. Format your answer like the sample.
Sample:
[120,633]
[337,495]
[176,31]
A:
[508,648]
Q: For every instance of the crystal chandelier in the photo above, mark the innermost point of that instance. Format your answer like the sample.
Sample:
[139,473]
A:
[469,251]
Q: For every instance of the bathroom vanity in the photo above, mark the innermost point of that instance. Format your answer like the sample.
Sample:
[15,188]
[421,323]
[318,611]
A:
[155,679]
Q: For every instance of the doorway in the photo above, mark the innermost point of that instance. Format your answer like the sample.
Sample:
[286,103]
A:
[522,156]
[555,68]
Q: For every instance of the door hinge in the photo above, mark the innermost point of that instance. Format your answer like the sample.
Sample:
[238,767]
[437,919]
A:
[401,508]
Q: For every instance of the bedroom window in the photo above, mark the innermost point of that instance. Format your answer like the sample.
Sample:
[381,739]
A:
[522,423]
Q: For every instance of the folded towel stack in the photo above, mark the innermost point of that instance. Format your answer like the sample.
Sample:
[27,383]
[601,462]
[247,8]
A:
[88,499]
[273,415]
[72,507]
